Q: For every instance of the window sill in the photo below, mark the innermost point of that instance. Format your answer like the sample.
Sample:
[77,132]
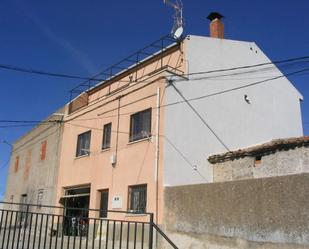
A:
[83,156]
[107,149]
[135,215]
[141,140]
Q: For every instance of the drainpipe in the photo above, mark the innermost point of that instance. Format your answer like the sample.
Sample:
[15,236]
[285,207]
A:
[156,176]
[117,134]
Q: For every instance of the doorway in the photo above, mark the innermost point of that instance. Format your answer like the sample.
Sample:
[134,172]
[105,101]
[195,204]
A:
[76,204]
[104,203]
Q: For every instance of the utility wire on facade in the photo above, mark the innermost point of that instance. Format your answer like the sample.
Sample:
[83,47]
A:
[125,147]
[185,158]
[166,105]
[37,136]
[94,78]
[199,97]
[199,116]
[251,66]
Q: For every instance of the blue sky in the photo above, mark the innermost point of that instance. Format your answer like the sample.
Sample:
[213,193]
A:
[83,37]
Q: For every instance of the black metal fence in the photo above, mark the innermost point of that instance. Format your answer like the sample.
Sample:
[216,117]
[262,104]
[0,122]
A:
[27,226]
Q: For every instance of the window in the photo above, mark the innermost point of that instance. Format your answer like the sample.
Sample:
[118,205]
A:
[107,133]
[257,160]
[40,197]
[140,125]
[43,150]
[16,166]
[83,144]
[138,198]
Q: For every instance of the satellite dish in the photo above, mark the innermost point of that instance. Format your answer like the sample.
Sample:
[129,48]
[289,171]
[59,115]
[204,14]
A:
[178,32]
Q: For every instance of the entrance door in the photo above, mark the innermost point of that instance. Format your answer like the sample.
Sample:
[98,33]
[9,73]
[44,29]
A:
[104,203]
[76,204]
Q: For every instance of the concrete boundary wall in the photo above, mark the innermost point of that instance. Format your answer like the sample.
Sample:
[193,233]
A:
[258,213]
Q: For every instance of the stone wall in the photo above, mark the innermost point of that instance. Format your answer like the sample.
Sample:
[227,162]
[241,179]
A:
[279,163]
[259,213]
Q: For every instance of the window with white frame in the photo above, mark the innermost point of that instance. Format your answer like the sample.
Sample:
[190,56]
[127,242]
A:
[83,144]
[140,125]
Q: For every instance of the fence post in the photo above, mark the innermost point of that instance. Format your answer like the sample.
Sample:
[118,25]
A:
[151,231]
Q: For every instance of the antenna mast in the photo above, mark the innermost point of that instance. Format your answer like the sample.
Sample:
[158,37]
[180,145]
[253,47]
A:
[178,17]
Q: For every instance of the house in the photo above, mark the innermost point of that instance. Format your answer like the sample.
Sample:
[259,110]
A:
[33,170]
[279,157]
[160,135]
[153,124]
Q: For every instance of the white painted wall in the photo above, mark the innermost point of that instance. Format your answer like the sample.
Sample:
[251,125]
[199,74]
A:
[274,111]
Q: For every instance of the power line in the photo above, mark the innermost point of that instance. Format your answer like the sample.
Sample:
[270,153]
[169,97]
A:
[38,136]
[241,87]
[30,121]
[184,158]
[125,147]
[5,164]
[199,116]
[35,71]
[199,97]
[18,126]
[94,78]
[165,105]
[250,66]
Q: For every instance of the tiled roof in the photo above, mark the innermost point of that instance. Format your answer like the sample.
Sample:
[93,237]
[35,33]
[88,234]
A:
[262,149]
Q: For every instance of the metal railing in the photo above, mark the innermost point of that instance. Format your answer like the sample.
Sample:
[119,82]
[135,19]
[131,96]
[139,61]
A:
[158,46]
[28,226]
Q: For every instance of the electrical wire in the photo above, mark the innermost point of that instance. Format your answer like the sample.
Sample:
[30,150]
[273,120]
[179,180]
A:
[200,117]
[125,147]
[35,71]
[5,164]
[37,136]
[18,126]
[164,105]
[94,78]
[250,66]
[30,121]
[199,97]
[204,96]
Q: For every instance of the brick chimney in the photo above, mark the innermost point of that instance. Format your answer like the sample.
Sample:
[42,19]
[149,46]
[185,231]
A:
[216,25]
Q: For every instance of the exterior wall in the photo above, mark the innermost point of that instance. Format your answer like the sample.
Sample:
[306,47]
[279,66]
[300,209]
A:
[258,213]
[280,163]
[274,110]
[33,173]
[136,161]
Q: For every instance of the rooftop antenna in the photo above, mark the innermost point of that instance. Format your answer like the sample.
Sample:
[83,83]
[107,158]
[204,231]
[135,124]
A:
[178,17]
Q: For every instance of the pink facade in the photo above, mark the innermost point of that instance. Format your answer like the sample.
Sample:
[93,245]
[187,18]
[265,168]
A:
[123,164]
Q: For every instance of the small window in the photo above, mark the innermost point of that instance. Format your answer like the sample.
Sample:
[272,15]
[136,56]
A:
[83,144]
[43,150]
[140,125]
[257,160]
[40,197]
[16,166]
[107,134]
[138,198]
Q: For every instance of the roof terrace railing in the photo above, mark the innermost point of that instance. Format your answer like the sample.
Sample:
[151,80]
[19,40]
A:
[129,62]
